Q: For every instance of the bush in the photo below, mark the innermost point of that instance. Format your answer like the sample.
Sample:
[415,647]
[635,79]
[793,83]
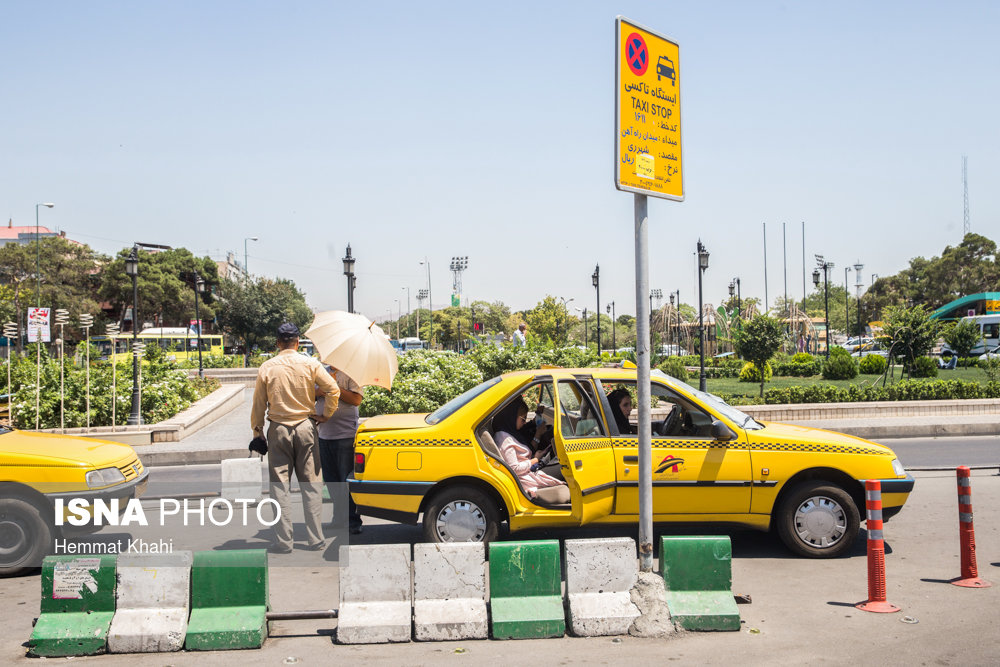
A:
[991,366]
[674,367]
[873,364]
[840,365]
[802,369]
[802,357]
[924,367]
[906,390]
[750,373]
[425,381]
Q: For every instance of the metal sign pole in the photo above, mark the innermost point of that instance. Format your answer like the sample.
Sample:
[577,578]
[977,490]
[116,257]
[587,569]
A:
[642,351]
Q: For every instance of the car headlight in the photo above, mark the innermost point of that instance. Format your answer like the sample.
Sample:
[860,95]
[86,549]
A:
[898,468]
[104,477]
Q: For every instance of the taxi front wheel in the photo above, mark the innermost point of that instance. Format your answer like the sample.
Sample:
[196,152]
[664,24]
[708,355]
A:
[818,519]
[461,514]
[25,536]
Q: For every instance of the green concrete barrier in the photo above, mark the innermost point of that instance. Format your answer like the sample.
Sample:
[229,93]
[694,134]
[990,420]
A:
[229,600]
[526,590]
[698,575]
[78,603]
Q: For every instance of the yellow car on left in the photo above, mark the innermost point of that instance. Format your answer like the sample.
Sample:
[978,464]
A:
[36,469]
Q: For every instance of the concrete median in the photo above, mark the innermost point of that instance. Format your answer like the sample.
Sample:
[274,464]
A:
[600,574]
[229,600]
[152,603]
[449,592]
[526,590]
[375,601]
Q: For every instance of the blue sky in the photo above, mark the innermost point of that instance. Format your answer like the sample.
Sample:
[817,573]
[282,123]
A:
[414,130]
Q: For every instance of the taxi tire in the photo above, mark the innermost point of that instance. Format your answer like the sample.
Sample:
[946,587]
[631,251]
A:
[785,519]
[462,494]
[20,517]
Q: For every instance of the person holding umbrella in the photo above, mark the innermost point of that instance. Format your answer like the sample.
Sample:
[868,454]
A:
[336,443]
[286,391]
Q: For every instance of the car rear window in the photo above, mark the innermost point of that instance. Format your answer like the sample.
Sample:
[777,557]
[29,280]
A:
[454,404]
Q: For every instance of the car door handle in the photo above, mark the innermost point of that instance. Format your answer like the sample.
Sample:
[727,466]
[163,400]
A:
[630,459]
[578,464]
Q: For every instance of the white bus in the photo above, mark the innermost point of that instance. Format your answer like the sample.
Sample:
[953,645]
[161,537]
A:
[407,344]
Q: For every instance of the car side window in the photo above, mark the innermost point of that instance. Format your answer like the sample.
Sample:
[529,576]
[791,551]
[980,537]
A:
[676,417]
[578,416]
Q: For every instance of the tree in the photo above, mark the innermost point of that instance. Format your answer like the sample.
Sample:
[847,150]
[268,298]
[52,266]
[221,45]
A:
[962,337]
[909,333]
[164,297]
[252,311]
[758,340]
[548,320]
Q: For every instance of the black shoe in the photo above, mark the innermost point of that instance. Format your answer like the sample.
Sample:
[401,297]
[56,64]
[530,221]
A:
[355,530]
[319,546]
[278,549]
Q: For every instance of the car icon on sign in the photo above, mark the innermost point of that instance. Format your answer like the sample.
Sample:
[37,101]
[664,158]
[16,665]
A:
[665,68]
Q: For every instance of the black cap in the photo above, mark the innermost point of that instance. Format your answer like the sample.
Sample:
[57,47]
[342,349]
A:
[288,331]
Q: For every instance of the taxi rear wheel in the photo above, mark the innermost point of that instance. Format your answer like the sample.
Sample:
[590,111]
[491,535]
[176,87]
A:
[25,536]
[461,514]
[818,519]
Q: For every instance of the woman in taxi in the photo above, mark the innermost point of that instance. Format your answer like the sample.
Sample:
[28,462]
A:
[518,456]
[621,407]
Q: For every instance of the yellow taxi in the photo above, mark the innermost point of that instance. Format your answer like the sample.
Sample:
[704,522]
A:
[712,463]
[36,469]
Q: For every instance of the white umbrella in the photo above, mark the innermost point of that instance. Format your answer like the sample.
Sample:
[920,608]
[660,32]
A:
[355,345]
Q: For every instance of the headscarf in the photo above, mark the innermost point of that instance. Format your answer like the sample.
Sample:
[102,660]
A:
[615,399]
[506,419]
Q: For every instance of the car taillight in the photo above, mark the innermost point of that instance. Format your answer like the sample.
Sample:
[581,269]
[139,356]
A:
[359,463]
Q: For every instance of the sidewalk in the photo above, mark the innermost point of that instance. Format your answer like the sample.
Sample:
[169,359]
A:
[228,436]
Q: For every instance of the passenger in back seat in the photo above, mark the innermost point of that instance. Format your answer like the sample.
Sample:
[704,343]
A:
[518,456]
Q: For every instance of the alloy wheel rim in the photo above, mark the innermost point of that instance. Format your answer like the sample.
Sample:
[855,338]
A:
[820,522]
[461,521]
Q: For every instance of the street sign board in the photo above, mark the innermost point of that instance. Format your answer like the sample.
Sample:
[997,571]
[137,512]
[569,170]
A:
[647,112]
[38,325]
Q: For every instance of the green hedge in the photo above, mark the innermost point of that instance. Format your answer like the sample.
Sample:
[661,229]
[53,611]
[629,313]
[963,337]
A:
[906,390]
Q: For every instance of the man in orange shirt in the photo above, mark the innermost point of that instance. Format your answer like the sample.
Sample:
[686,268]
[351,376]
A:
[286,391]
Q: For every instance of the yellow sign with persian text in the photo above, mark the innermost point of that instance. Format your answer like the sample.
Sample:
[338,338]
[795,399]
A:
[647,112]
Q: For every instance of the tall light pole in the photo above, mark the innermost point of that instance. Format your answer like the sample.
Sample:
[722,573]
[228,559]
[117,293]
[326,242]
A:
[246,268]
[595,278]
[584,312]
[430,301]
[670,324]
[349,272]
[847,303]
[826,266]
[735,282]
[614,340]
[407,310]
[565,305]
[678,293]
[857,286]
[421,295]
[132,269]
[199,289]
[702,265]
[38,259]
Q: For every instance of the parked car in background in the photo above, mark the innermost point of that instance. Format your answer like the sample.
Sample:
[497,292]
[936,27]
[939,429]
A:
[863,342]
[672,350]
[989,329]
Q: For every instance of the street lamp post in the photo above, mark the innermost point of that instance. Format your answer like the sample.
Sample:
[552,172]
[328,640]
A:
[858,285]
[38,259]
[407,310]
[246,268]
[614,340]
[702,265]
[421,295]
[847,304]
[565,305]
[826,266]
[199,289]
[595,278]
[430,302]
[670,324]
[132,269]
[584,313]
[349,272]
[678,330]
[735,283]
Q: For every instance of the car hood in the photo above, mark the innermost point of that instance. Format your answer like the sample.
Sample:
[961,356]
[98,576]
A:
[391,422]
[53,449]
[796,433]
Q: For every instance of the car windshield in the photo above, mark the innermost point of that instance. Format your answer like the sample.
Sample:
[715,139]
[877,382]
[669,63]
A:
[454,404]
[737,416]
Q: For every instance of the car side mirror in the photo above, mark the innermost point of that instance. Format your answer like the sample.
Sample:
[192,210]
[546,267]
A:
[722,432]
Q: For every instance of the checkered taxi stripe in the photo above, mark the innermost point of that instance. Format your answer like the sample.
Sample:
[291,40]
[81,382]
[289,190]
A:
[696,443]
[825,448]
[417,442]
[585,445]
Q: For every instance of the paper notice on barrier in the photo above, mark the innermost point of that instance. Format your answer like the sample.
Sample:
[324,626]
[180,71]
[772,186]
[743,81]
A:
[70,577]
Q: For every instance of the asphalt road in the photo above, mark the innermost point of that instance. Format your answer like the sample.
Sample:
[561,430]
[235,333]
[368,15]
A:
[946,452]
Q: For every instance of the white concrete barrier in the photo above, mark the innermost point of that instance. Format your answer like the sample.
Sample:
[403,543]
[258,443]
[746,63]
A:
[375,599]
[449,591]
[599,575]
[152,603]
[242,479]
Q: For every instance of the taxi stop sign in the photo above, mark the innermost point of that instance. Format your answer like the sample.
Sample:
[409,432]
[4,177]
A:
[647,163]
[647,113]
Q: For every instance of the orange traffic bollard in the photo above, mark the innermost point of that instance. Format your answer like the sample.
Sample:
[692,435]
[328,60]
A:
[876,551]
[967,534]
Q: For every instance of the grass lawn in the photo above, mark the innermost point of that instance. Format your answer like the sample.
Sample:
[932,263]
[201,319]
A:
[734,387]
